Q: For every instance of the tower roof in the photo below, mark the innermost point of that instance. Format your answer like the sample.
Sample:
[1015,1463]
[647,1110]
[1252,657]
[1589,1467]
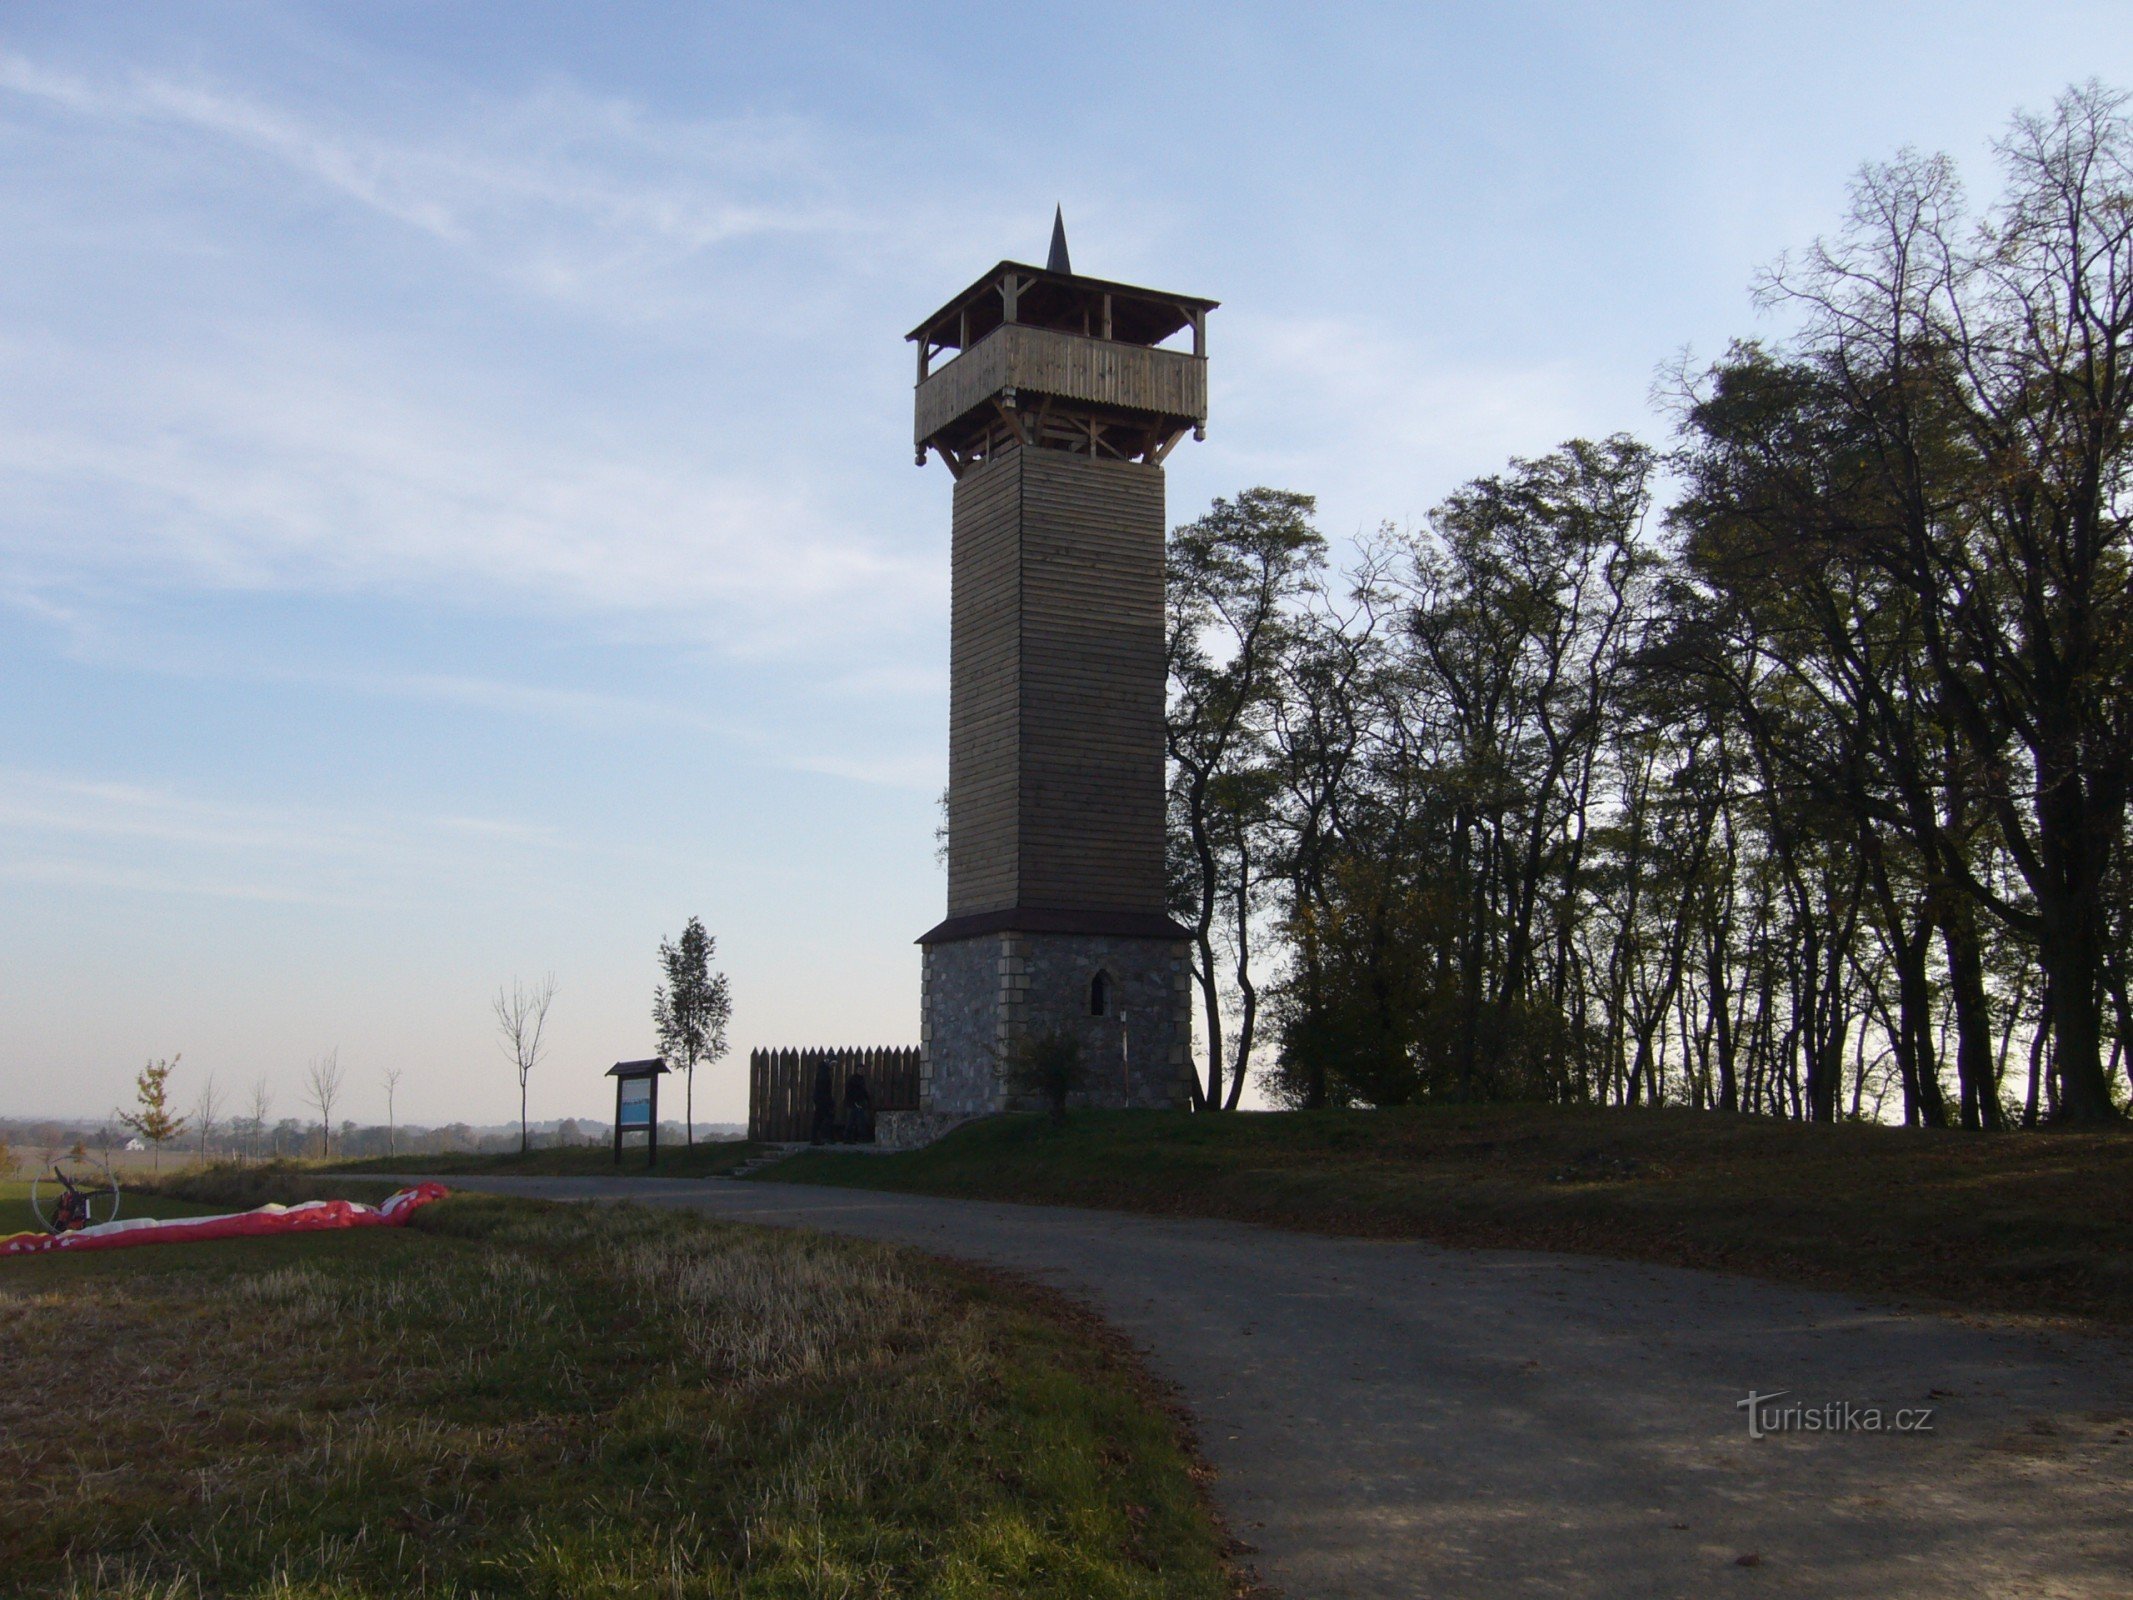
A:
[1057,299]
[1057,260]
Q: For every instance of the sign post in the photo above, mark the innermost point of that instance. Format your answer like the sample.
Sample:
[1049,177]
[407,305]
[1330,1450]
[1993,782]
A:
[637,1104]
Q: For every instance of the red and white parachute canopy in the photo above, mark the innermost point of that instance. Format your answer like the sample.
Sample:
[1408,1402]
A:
[311,1217]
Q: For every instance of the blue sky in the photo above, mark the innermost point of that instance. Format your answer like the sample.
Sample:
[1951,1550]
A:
[456,507]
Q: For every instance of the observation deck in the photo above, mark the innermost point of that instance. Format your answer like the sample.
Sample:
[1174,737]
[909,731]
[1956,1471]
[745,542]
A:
[1059,361]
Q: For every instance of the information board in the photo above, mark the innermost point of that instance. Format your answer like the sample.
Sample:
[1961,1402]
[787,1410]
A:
[636,1111]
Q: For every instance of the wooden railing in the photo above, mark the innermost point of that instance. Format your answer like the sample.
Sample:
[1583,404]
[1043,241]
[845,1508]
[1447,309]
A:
[781,1086]
[1170,383]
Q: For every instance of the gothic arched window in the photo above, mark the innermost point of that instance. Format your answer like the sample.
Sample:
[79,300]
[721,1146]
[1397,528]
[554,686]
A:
[1100,995]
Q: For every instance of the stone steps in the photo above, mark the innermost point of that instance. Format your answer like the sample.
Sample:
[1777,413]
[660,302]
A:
[767,1158]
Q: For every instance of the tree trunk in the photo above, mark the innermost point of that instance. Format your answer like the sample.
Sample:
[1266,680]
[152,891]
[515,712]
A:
[1314,990]
[2123,1005]
[2037,1044]
[1210,1098]
[1923,1103]
[1917,1003]
[1722,1025]
[1470,959]
[1976,1065]
[1247,991]
[2072,957]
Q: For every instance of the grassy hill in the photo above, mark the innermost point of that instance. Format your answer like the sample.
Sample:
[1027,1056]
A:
[512,1398]
[2023,1222]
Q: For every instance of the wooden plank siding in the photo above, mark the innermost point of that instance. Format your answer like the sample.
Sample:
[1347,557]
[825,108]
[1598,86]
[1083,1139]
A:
[1043,361]
[781,1086]
[984,677]
[1056,686]
[1092,683]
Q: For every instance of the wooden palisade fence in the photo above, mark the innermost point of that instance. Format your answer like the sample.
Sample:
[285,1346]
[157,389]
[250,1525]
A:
[781,1086]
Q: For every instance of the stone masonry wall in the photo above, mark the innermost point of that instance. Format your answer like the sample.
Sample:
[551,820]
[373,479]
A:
[959,994]
[983,995]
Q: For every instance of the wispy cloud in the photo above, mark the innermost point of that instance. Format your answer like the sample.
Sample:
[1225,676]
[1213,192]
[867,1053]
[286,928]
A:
[582,708]
[1405,422]
[912,771]
[66,830]
[73,874]
[293,444]
[298,468]
[560,191]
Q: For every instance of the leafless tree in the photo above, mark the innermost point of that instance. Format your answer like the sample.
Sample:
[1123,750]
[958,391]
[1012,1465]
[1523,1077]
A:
[324,1079]
[204,1110]
[262,1105]
[521,1017]
[391,1075]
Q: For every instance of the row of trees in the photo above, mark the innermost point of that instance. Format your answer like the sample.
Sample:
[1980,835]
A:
[157,1122]
[1808,793]
[690,1010]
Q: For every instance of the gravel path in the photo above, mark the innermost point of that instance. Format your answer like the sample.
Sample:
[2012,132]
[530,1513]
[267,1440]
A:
[1399,1419]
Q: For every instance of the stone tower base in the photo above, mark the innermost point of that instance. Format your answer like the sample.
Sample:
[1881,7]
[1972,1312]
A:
[986,992]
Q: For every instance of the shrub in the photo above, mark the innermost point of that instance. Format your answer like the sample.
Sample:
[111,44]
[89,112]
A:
[1048,1067]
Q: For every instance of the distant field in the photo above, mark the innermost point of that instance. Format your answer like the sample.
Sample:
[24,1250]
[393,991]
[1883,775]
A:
[507,1398]
[126,1164]
[2022,1222]
[704,1159]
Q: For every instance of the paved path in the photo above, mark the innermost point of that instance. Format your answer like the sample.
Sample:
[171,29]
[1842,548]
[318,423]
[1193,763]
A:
[1398,1419]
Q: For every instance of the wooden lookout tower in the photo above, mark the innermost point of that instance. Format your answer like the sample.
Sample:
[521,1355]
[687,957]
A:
[1054,399]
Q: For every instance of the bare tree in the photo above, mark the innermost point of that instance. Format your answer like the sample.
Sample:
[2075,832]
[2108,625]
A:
[204,1110]
[391,1075]
[324,1079]
[262,1106]
[521,1017]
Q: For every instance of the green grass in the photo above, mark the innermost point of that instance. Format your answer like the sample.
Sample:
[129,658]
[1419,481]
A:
[2037,1222]
[707,1159]
[17,1217]
[234,1188]
[509,1398]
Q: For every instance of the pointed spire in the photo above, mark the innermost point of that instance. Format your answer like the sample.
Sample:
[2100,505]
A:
[1058,262]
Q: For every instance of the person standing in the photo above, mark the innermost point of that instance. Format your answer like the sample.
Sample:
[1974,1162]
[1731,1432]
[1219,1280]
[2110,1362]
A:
[858,1110]
[825,1125]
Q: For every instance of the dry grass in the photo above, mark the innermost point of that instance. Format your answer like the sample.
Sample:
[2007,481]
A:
[518,1399]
